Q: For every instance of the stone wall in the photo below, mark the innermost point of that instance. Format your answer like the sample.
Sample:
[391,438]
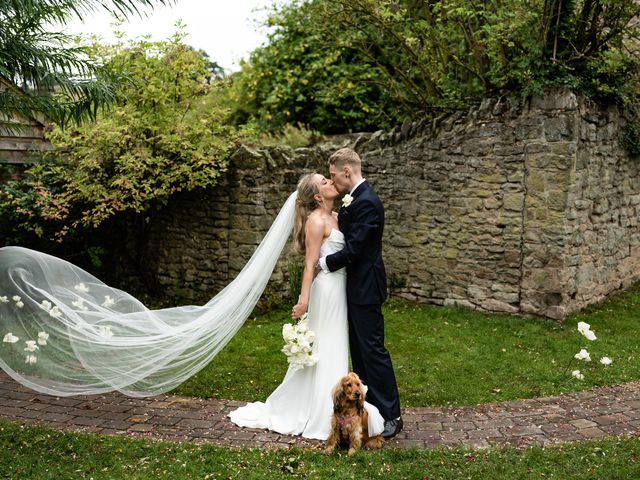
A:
[522,210]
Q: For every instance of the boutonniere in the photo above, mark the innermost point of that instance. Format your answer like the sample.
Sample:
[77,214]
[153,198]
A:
[346,200]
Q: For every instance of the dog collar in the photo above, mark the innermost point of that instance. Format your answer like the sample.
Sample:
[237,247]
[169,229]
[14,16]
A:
[344,420]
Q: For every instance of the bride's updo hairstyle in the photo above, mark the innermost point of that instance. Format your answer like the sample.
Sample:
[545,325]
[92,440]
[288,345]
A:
[305,204]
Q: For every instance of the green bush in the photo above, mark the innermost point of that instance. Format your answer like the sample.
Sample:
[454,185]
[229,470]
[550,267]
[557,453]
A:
[166,133]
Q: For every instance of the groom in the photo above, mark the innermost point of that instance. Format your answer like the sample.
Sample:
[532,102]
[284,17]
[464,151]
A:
[361,220]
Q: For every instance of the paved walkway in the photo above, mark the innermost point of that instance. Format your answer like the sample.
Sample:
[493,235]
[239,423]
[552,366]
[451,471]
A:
[602,412]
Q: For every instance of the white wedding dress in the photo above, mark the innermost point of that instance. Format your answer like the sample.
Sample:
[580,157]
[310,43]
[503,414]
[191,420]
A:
[302,403]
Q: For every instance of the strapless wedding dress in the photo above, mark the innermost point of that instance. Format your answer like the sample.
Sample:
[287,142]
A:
[302,404]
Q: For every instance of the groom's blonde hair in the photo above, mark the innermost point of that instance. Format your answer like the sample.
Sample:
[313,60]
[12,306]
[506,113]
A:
[346,156]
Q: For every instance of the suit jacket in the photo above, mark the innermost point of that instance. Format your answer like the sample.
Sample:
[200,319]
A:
[362,223]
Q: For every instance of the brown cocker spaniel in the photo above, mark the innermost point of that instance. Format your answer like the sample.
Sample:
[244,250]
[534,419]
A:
[350,420]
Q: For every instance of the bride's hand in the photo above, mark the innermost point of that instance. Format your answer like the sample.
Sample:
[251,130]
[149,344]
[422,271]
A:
[298,310]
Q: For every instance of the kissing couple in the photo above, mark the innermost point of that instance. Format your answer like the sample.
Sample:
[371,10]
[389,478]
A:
[83,337]
[343,288]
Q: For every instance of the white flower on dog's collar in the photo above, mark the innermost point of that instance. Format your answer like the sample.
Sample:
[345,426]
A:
[346,200]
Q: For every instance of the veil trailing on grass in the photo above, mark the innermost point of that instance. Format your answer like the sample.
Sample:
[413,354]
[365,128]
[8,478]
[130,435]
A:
[66,333]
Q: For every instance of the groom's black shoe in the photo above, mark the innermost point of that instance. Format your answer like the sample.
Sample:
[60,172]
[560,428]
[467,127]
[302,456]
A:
[392,428]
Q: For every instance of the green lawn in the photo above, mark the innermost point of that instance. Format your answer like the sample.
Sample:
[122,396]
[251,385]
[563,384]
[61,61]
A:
[452,356]
[442,356]
[37,453]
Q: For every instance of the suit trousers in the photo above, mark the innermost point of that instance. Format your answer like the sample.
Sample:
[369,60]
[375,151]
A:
[371,360]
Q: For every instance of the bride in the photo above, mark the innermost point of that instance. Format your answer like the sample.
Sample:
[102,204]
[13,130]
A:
[64,332]
[302,404]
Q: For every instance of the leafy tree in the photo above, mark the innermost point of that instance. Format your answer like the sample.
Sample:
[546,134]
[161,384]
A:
[593,46]
[55,78]
[305,75]
[164,134]
[329,60]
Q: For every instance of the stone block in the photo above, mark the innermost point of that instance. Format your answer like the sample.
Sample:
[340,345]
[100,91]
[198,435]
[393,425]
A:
[553,100]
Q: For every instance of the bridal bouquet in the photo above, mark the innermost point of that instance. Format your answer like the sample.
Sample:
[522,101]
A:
[298,340]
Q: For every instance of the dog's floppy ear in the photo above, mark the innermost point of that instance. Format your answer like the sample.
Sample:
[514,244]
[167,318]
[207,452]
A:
[360,400]
[338,396]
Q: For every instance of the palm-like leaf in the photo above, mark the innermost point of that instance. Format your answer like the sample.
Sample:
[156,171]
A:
[54,77]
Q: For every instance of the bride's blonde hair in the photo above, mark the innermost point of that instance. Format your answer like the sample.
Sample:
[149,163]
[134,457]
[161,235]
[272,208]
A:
[305,204]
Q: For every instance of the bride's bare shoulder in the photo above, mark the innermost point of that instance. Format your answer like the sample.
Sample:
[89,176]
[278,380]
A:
[315,224]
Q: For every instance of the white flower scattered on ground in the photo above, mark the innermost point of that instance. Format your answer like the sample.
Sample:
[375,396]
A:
[31,346]
[81,287]
[55,312]
[583,355]
[606,361]
[42,338]
[10,338]
[30,359]
[108,301]
[585,329]
[16,298]
[45,305]
[19,304]
[105,331]
[4,299]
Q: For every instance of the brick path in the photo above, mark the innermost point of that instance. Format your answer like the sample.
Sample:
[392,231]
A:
[602,412]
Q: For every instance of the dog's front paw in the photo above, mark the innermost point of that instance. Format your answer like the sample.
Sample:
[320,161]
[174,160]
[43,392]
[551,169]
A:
[374,442]
[351,451]
[329,449]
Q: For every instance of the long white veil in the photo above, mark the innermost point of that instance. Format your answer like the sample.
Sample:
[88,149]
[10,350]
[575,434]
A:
[64,332]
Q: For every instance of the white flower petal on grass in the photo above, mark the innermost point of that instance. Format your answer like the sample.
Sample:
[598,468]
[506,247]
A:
[108,301]
[577,374]
[583,327]
[583,355]
[606,361]
[16,298]
[45,305]
[4,299]
[42,338]
[10,338]
[81,287]
[19,304]
[31,346]
[55,312]
[30,359]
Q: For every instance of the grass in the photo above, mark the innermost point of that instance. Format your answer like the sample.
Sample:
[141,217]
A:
[39,453]
[442,356]
[452,356]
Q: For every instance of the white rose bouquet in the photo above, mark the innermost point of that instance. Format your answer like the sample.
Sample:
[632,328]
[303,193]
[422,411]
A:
[298,342]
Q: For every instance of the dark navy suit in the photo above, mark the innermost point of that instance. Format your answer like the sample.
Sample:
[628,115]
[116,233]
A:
[362,223]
